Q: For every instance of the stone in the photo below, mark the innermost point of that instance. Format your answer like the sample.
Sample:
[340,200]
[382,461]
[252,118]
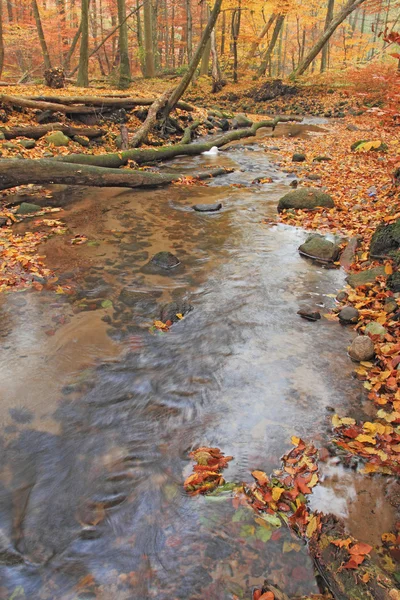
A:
[28,144]
[322,159]
[305,198]
[57,138]
[294,184]
[169,311]
[165,260]
[25,208]
[390,305]
[365,277]
[385,238]
[352,127]
[223,124]
[10,146]
[241,121]
[313,177]
[342,296]
[82,141]
[348,315]
[362,348]
[2,136]
[208,207]
[318,247]
[3,221]
[393,281]
[309,313]
[133,297]
[298,157]
[375,328]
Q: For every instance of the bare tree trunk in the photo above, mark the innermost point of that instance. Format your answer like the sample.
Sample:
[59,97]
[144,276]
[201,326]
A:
[325,49]
[148,38]
[140,38]
[124,66]
[1,40]
[316,49]
[267,56]
[223,33]
[42,39]
[186,79]
[141,134]
[236,16]
[83,70]
[218,82]
[189,29]
[262,35]
[205,59]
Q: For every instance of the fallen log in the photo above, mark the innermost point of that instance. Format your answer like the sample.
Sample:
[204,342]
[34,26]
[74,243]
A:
[367,582]
[15,172]
[36,132]
[140,134]
[39,105]
[148,155]
[109,101]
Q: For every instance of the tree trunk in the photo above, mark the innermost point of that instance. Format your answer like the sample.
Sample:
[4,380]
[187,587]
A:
[124,67]
[141,134]
[189,29]
[148,38]
[42,39]
[145,156]
[62,103]
[267,56]
[205,59]
[325,49]
[218,82]
[71,50]
[140,38]
[186,79]
[83,69]
[316,49]
[223,33]
[236,16]
[1,40]
[15,172]
[261,36]
[35,132]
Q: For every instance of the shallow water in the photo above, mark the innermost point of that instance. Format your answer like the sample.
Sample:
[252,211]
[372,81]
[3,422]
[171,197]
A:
[98,414]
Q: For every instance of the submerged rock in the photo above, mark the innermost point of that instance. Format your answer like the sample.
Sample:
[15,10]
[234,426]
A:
[25,208]
[364,277]
[318,247]
[362,348]
[348,315]
[165,260]
[170,311]
[309,313]
[305,198]
[208,207]
[132,297]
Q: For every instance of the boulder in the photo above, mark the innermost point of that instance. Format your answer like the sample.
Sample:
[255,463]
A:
[362,348]
[305,198]
[241,121]
[393,281]
[298,157]
[208,207]
[165,260]
[309,313]
[385,239]
[28,144]
[365,277]
[348,315]
[319,248]
[25,208]
[57,138]
[82,141]
[170,311]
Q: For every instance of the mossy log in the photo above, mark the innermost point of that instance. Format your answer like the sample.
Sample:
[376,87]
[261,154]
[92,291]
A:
[120,101]
[145,156]
[368,582]
[37,131]
[14,172]
[40,105]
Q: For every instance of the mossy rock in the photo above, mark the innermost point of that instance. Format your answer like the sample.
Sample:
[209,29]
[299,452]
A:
[27,144]
[322,159]
[319,248]
[26,208]
[356,146]
[365,277]
[305,198]
[57,138]
[393,281]
[386,239]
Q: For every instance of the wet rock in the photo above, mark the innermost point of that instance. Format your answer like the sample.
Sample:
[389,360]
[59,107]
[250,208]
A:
[25,208]
[165,260]
[385,239]
[223,124]
[365,277]
[342,296]
[322,159]
[169,311]
[27,144]
[132,297]
[390,305]
[318,247]
[208,207]
[393,281]
[313,177]
[241,121]
[375,328]
[348,315]
[309,313]
[294,184]
[362,348]
[298,157]
[57,138]
[305,198]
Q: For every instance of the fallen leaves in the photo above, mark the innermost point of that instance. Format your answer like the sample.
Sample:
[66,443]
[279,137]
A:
[207,472]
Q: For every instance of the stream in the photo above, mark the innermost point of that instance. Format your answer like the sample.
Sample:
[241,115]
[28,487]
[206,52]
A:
[98,414]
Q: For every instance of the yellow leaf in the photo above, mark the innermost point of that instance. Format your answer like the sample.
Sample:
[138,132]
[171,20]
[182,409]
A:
[365,439]
[179,315]
[312,526]
[277,493]
[313,481]
[374,428]
[390,538]
[388,269]
[295,440]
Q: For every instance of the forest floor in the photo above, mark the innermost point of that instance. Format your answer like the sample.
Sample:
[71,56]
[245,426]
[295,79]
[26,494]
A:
[362,184]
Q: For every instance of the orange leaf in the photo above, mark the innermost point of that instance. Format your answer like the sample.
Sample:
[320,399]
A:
[360,548]
[267,596]
[260,477]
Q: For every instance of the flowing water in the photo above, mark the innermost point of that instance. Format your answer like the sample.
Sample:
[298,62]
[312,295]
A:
[99,414]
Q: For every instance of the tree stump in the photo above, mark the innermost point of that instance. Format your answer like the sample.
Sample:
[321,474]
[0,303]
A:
[55,77]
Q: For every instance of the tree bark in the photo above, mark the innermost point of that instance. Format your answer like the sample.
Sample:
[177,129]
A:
[15,172]
[205,59]
[148,38]
[268,53]
[83,70]
[26,103]
[262,35]
[316,49]
[325,49]
[235,28]
[71,50]
[42,39]
[124,66]
[189,30]
[145,156]
[218,81]
[186,79]
[36,132]
[101,101]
